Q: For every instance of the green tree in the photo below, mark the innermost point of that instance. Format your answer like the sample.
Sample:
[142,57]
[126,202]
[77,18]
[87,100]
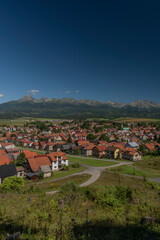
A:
[103,137]
[13,135]
[86,125]
[91,137]
[69,139]
[12,184]
[21,159]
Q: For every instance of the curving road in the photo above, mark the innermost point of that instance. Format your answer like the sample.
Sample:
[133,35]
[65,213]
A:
[96,171]
[93,171]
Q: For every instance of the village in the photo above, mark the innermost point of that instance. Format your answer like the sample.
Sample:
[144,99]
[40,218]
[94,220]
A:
[39,148]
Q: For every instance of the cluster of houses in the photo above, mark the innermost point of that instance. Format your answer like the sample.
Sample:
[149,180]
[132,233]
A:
[72,138]
[34,165]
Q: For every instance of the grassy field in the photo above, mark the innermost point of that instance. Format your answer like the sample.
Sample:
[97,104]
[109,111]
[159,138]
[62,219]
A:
[136,120]
[91,162]
[112,208]
[149,167]
[128,170]
[16,122]
[55,185]
[21,121]
[59,174]
[113,178]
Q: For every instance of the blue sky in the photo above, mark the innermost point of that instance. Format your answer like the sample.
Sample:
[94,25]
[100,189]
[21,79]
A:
[103,50]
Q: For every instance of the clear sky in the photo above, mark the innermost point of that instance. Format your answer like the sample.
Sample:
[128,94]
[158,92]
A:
[95,49]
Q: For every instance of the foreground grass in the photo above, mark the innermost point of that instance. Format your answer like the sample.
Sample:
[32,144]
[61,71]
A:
[110,209]
[91,162]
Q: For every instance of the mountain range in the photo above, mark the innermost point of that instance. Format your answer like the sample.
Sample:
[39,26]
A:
[72,108]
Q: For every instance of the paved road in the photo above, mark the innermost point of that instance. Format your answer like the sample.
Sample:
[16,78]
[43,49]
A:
[96,171]
[93,171]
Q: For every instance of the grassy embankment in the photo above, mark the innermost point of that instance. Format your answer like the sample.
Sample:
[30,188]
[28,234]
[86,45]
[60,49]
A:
[52,184]
[149,167]
[91,162]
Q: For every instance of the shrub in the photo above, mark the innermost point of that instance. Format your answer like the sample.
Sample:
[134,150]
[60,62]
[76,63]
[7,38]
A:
[64,168]
[89,193]
[12,184]
[124,193]
[75,165]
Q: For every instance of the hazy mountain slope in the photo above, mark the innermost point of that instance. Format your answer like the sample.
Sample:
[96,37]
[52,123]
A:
[72,108]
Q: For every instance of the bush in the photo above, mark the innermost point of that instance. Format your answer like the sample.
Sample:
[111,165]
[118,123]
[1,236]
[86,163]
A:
[113,196]
[75,165]
[124,193]
[70,191]
[64,168]
[89,193]
[12,184]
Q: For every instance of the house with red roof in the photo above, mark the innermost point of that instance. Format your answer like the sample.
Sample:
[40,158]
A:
[23,142]
[52,161]
[149,146]
[113,152]
[36,145]
[99,151]
[86,149]
[29,154]
[131,154]
[49,146]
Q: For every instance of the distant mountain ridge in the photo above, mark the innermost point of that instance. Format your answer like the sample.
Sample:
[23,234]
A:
[72,108]
[137,103]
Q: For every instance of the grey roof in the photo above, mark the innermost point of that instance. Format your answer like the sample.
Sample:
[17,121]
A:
[14,156]
[31,174]
[66,147]
[45,168]
[9,155]
[133,144]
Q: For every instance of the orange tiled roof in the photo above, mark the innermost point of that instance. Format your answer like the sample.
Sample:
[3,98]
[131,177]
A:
[4,159]
[2,151]
[149,146]
[35,163]
[29,154]
[101,148]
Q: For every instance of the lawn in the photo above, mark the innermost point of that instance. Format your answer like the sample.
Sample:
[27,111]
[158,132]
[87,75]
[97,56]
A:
[150,166]
[59,174]
[113,178]
[147,167]
[91,162]
[56,184]
[128,170]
